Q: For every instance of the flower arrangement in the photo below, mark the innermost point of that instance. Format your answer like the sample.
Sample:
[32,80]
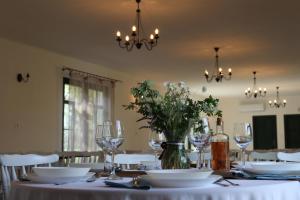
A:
[172,113]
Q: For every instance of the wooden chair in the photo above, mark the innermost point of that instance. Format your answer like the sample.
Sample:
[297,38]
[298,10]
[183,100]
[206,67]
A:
[130,159]
[264,156]
[72,157]
[14,166]
[290,157]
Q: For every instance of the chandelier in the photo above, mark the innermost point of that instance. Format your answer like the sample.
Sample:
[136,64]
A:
[254,92]
[218,75]
[137,38]
[277,102]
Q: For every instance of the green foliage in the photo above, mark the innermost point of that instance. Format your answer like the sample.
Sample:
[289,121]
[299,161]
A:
[172,113]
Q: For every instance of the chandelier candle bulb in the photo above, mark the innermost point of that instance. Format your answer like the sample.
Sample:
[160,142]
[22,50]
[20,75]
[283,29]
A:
[133,28]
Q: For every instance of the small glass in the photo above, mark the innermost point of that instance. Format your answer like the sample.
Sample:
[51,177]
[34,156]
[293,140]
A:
[155,141]
[199,136]
[110,138]
[243,137]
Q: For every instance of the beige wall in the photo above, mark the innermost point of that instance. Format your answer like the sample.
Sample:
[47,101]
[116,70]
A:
[30,113]
[231,114]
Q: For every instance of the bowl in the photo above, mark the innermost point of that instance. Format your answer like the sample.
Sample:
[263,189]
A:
[60,171]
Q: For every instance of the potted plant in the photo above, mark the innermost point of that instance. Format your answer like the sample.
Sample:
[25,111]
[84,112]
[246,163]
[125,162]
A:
[172,114]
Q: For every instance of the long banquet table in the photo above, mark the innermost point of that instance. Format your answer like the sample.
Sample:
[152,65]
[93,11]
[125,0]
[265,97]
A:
[248,190]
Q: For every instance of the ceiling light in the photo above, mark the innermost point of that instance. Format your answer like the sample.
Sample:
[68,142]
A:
[137,38]
[255,92]
[277,103]
[218,75]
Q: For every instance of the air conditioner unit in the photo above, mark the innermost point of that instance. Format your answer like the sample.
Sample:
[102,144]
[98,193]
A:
[252,107]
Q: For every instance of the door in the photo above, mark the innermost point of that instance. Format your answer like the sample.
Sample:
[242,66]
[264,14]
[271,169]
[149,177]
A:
[292,131]
[264,132]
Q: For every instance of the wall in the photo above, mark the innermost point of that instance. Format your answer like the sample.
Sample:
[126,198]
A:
[231,114]
[31,113]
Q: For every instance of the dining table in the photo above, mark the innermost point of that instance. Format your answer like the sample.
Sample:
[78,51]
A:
[97,190]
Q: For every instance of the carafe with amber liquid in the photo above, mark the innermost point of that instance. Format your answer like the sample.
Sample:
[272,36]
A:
[220,148]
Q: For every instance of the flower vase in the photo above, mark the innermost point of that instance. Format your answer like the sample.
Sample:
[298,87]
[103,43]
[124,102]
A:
[174,156]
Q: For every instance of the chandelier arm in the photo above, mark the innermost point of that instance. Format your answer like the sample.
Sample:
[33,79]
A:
[209,79]
[130,46]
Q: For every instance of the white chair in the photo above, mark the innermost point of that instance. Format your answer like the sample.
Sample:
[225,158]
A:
[193,156]
[264,156]
[292,157]
[131,159]
[9,164]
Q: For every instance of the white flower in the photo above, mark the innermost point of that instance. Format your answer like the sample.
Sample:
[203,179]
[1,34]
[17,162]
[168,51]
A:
[166,83]
[181,84]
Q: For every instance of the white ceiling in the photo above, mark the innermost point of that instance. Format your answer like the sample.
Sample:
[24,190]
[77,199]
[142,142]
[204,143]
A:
[253,35]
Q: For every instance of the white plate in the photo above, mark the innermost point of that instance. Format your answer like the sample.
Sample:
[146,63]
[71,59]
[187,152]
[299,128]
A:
[57,180]
[179,183]
[60,171]
[180,173]
[93,166]
[276,166]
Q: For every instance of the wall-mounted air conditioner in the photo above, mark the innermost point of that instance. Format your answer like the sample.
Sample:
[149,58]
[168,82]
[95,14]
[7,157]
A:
[252,107]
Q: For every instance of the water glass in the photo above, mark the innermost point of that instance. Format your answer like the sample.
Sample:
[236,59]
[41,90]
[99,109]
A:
[243,137]
[110,137]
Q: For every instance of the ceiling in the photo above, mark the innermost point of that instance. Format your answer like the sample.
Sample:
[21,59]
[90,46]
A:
[253,35]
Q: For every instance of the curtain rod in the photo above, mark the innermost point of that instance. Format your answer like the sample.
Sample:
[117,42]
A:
[89,74]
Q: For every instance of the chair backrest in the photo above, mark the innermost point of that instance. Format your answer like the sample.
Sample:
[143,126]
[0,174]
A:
[292,157]
[10,164]
[80,157]
[130,159]
[263,156]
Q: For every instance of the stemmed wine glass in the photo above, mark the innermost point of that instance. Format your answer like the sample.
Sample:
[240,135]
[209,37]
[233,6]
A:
[243,137]
[199,136]
[155,140]
[110,137]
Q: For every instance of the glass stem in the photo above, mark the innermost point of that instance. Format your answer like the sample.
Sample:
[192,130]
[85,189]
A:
[200,160]
[113,169]
[243,157]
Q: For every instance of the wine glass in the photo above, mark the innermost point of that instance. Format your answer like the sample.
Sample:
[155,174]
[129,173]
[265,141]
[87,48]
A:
[155,140]
[111,137]
[243,137]
[199,136]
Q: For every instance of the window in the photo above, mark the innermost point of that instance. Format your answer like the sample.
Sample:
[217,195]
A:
[87,102]
[265,132]
[292,131]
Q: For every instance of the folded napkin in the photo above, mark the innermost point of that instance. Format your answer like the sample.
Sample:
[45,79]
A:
[128,185]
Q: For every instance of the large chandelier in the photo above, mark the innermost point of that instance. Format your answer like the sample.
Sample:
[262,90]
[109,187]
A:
[218,74]
[277,103]
[255,92]
[137,38]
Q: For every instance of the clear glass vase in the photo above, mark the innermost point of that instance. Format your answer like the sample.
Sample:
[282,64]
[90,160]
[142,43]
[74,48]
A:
[174,156]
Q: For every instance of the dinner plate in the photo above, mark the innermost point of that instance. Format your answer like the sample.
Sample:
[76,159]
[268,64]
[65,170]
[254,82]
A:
[272,168]
[179,182]
[293,166]
[180,173]
[57,180]
[60,171]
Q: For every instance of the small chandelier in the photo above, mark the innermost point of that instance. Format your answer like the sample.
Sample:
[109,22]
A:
[218,74]
[277,102]
[136,38]
[255,92]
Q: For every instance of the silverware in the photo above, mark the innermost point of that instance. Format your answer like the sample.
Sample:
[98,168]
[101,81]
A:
[231,183]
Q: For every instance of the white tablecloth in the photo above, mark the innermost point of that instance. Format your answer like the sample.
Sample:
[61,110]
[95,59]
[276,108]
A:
[248,190]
